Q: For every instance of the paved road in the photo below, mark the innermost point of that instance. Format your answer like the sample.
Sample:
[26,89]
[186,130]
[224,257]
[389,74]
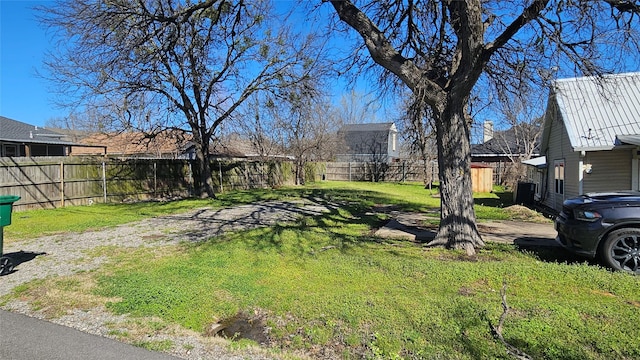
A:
[27,338]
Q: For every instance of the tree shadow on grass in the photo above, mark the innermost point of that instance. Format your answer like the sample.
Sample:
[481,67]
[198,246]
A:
[547,250]
[504,199]
[311,222]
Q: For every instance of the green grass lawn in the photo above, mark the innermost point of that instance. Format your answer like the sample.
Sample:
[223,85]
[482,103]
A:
[325,285]
[33,223]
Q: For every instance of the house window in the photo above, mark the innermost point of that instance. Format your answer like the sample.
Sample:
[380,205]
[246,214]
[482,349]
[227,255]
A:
[38,150]
[9,150]
[558,167]
[393,142]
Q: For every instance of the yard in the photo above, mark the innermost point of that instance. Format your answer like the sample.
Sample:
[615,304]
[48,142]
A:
[316,283]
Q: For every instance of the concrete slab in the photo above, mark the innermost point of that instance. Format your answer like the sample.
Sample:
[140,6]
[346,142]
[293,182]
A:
[411,227]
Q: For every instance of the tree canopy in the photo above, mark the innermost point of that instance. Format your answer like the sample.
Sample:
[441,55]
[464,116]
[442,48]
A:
[168,64]
[452,53]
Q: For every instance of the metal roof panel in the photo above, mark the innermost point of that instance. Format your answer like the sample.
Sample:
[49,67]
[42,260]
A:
[596,110]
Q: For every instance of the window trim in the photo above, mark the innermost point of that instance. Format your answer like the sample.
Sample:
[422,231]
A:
[559,169]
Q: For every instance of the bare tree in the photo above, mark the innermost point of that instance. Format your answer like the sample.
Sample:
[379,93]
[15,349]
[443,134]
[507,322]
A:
[170,64]
[420,138]
[443,50]
[357,108]
[255,125]
[520,141]
[306,130]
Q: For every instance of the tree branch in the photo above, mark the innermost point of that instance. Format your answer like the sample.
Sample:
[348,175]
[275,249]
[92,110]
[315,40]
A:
[530,13]
[625,5]
[383,53]
[496,331]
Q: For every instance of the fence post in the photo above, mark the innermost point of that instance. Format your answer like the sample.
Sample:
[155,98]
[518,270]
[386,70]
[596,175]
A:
[155,179]
[104,182]
[62,183]
[349,170]
[190,177]
[404,171]
[220,172]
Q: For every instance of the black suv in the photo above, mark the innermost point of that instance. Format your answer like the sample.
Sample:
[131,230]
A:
[606,225]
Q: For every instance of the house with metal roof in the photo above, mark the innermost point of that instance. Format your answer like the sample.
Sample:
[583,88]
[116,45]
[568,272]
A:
[373,142]
[591,137]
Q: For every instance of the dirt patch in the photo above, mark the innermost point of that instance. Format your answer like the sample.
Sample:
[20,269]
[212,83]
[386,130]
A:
[523,213]
[243,325]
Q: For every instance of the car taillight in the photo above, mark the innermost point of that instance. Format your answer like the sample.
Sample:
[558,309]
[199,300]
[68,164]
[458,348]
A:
[586,215]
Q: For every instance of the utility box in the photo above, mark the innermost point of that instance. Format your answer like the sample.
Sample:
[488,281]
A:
[6,205]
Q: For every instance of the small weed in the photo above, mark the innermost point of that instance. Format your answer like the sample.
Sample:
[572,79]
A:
[57,296]
[241,344]
[120,334]
[154,345]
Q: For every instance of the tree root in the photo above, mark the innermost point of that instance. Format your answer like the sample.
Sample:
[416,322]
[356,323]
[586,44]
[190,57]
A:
[443,241]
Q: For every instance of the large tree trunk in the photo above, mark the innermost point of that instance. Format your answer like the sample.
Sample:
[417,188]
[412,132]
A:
[299,172]
[205,186]
[205,176]
[458,228]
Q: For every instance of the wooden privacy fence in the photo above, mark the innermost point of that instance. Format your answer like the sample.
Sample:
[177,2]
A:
[63,181]
[371,171]
[481,176]
[50,182]
[233,174]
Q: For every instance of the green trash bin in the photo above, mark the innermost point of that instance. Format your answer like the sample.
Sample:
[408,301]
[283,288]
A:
[6,205]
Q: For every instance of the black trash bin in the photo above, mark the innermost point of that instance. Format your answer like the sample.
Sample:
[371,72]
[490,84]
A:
[525,193]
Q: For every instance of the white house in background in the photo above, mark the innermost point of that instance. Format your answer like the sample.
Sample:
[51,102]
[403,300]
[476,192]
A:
[372,142]
[591,137]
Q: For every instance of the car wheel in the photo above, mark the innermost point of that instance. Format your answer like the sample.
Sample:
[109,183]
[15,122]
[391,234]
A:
[621,250]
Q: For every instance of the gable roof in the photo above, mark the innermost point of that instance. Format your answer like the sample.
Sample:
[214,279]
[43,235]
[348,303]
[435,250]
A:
[133,143]
[17,131]
[598,112]
[512,141]
[370,127]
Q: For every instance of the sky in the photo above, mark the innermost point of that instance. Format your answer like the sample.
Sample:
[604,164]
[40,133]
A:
[23,43]
[24,96]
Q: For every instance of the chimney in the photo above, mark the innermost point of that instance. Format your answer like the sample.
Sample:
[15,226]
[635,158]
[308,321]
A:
[487,131]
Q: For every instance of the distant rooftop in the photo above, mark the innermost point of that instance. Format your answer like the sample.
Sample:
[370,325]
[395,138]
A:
[17,131]
[369,127]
